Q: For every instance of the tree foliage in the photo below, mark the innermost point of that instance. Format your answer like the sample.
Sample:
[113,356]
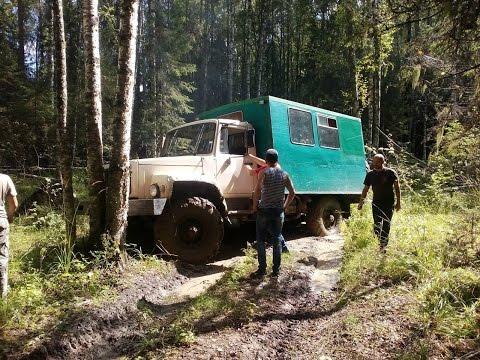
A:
[407,68]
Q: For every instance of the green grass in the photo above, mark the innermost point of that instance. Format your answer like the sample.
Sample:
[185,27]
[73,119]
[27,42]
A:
[48,278]
[434,248]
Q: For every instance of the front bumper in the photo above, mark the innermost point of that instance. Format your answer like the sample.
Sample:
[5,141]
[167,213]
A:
[146,207]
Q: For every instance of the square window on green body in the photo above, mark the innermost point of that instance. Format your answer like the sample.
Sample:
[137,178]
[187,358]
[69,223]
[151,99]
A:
[301,129]
[328,132]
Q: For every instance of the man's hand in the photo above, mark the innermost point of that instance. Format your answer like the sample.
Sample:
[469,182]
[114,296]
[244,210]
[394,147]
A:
[360,204]
[363,196]
[398,207]
[12,207]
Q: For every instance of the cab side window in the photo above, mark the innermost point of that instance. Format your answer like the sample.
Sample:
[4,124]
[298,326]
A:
[301,127]
[232,142]
[328,132]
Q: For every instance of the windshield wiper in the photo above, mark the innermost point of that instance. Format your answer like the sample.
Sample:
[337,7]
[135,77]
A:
[167,152]
[195,151]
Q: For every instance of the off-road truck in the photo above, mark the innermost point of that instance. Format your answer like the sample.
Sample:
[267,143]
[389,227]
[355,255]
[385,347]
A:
[201,181]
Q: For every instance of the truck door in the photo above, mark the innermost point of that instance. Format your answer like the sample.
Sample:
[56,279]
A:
[232,175]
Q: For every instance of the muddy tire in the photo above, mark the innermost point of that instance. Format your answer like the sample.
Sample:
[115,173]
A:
[191,229]
[324,216]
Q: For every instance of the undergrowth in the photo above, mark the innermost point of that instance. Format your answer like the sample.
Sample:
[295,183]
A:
[434,247]
[48,277]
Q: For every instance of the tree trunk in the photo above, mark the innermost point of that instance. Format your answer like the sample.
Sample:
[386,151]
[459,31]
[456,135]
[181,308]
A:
[377,78]
[65,127]
[119,179]
[204,61]
[21,36]
[246,50]
[93,99]
[230,48]
[371,110]
[357,111]
[424,141]
[261,47]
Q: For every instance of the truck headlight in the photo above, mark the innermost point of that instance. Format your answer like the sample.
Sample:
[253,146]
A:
[154,191]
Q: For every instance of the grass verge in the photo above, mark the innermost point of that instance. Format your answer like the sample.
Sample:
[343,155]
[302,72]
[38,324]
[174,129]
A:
[49,279]
[434,248]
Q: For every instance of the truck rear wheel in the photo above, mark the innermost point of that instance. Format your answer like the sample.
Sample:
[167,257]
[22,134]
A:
[324,216]
[191,229]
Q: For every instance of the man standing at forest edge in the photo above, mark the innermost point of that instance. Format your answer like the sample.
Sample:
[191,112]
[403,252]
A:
[382,180]
[7,194]
[270,189]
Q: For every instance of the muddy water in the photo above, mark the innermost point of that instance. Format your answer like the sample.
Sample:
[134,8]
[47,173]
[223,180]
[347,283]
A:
[320,258]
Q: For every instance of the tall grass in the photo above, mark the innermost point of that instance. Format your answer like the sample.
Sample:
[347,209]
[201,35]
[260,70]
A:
[434,247]
[46,274]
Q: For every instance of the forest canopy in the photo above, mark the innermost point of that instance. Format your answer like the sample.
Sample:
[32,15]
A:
[409,69]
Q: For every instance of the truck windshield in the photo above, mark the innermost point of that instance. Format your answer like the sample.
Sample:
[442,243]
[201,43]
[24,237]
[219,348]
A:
[190,140]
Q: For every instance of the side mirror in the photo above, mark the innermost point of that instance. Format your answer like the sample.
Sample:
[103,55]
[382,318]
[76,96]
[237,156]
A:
[250,138]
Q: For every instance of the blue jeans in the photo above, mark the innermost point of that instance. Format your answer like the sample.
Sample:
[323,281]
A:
[269,221]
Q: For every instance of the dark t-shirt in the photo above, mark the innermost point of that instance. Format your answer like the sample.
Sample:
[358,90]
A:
[381,182]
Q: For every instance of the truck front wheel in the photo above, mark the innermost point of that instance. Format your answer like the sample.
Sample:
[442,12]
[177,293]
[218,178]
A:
[324,216]
[191,229]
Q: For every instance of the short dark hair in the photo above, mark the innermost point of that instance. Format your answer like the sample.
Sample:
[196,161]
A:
[271,156]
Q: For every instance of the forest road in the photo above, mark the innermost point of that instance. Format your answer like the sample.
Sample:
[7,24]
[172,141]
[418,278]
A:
[136,320]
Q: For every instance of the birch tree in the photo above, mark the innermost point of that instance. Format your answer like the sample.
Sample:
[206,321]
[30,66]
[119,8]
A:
[21,13]
[65,127]
[94,120]
[119,179]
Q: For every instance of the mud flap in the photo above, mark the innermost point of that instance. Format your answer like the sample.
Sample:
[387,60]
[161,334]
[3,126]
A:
[146,207]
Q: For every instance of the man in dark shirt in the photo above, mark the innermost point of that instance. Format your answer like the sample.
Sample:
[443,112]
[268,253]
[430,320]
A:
[382,180]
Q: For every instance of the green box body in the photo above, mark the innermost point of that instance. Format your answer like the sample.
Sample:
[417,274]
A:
[314,169]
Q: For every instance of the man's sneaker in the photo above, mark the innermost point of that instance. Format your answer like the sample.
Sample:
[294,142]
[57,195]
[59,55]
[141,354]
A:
[259,274]
[285,250]
[274,274]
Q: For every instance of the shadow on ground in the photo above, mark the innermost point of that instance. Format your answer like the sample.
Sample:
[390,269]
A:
[140,235]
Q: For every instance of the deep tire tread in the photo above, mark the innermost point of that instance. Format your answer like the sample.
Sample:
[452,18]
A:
[207,213]
[315,223]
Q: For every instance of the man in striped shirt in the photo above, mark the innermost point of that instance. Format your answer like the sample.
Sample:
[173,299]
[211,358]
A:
[261,166]
[270,189]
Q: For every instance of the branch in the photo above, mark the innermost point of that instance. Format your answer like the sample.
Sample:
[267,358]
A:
[401,147]
[412,21]
[476,66]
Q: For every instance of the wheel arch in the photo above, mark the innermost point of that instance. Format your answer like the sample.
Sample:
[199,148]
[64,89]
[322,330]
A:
[183,189]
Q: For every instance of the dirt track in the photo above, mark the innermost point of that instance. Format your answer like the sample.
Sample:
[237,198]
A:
[297,316]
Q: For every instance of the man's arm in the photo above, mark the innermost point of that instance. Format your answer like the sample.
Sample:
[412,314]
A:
[254,159]
[363,196]
[12,207]
[258,189]
[398,195]
[291,193]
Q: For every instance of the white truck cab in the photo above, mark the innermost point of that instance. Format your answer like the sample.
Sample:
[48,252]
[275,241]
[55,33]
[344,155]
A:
[192,187]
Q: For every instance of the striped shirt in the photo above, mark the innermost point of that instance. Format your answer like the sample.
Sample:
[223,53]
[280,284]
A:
[273,189]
